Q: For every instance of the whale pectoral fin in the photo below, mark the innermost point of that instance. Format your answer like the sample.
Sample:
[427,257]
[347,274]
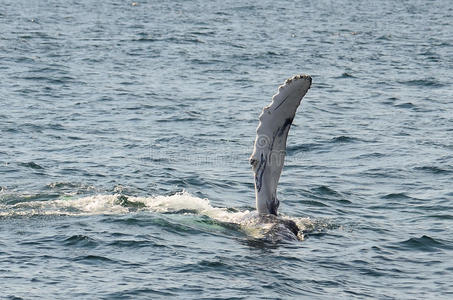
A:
[270,144]
[273,205]
[253,162]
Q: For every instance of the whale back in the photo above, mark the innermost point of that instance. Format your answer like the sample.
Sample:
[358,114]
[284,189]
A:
[269,150]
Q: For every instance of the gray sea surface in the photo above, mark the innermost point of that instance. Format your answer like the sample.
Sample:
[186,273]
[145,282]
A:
[126,128]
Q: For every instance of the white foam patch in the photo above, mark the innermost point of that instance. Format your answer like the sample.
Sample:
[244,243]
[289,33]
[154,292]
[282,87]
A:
[185,201]
[112,204]
[98,204]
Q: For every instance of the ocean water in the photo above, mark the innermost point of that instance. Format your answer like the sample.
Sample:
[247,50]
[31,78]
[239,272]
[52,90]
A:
[126,128]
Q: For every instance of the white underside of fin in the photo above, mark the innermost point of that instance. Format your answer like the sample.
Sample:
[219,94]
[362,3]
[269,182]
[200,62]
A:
[270,145]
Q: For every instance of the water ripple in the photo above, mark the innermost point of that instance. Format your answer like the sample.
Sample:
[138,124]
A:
[110,109]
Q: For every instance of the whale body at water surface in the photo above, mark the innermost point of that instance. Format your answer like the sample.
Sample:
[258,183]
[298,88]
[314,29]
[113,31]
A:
[270,144]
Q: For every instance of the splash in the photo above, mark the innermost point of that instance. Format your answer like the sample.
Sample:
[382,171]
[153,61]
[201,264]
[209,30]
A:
[117,204]
[180,203]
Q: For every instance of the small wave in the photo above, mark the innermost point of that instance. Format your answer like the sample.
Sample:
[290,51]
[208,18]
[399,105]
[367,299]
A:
[31,165]
[146,40]
[177,119]
[407,105]
[385,37]
[370,155]
[12,199]
[396,196]
[343,139]
[425,82]
[302,148]
[94,259]
[423,243]
[313,203]
[80,241]
[345,75]
[441,217]
[382,173]
[431,56]
[433,170]
[204,265]
[325,190]
[324,193]
[134,244]
[50,80]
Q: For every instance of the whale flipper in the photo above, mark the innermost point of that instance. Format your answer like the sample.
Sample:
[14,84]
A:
[270,144]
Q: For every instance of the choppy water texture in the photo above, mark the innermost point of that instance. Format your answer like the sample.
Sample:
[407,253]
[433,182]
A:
[126,129]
